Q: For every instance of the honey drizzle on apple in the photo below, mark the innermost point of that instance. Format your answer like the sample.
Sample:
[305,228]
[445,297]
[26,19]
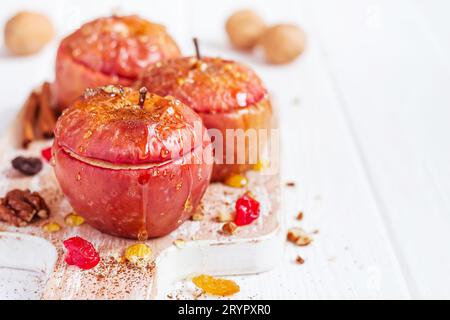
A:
[206,84]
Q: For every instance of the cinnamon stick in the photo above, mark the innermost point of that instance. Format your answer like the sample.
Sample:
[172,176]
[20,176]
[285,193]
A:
[46,119]
[29,118]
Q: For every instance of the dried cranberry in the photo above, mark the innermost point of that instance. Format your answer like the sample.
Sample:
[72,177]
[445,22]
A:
[247,210]
[28,166]
[81,253]
[47,153]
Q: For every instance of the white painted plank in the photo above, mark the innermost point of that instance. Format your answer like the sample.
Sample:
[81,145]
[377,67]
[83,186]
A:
[352,256]
[393,85]
[389,180]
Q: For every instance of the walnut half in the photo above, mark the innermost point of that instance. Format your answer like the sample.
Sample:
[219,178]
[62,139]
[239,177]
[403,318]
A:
[20,207]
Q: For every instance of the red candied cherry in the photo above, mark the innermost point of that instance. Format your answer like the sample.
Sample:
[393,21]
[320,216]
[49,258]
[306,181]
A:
[247,210]
[47,153]
[81,253]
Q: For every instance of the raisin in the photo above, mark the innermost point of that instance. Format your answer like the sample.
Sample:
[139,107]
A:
[216,286]
[28,166]
[247,210]
[236,181]
[138,253]
[81,253]
[74,220]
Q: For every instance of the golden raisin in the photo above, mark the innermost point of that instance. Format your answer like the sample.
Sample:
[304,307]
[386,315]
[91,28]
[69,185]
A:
[73,219]
[216,286]
[51,227]
[236,181]
[261,165]
[138,253]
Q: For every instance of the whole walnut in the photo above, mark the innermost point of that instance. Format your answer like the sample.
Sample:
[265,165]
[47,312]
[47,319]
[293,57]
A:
[244,29]
[282,43]
[27,33]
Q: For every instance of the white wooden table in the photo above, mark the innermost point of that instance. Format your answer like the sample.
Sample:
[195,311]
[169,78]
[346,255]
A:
[365,117]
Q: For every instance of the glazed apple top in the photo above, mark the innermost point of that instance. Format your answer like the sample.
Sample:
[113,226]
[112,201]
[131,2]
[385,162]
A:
[119,125]
[120,46]
[209,85]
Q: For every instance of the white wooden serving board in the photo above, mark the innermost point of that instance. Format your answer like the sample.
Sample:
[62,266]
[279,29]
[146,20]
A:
[364,134]
[32,261]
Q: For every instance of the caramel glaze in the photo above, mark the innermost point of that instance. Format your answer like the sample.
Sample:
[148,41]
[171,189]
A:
[210,85]
[108,124]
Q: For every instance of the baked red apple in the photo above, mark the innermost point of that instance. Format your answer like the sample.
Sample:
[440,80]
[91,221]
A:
[226,94]
[111,50]
[133,165]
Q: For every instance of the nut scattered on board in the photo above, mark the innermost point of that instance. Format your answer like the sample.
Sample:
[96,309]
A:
[27,33]
[229,228]
[282,43]
[244,28]
[19,207]
[29,166]
[224,216]
[290,184]
[299,260]
[299,237]
[179,243]
[300,215]
[197,216]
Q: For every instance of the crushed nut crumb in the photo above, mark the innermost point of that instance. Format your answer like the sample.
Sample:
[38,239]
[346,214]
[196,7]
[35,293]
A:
[299,237]
[299,260]
[224,216]
[179,243]
[229,228]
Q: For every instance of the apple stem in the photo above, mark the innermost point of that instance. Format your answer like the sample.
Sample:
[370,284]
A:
[197,49]
[142,94]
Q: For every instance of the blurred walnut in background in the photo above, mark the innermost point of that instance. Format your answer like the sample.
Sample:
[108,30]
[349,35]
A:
[244,29]
[27,33]
[281,43]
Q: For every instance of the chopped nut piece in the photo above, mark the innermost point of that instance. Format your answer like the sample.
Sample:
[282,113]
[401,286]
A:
[224,216]
[179,243]
[299,237]
[299,260]
[19,207]
[300,215]
[216,286]
[197,294]
[139,254]
[51,227]
[8,215]
[229,228]
[290,184]
[197,216]
[73,219]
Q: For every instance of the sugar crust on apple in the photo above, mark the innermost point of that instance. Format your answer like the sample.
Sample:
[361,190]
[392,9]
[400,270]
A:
[124,166]
[225,93]
[109,50]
